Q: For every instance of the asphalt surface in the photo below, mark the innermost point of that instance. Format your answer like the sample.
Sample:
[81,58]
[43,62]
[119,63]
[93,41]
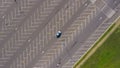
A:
[45,22]
[79,11]
[90,28]
[28,28]
[103,25]
[99,19]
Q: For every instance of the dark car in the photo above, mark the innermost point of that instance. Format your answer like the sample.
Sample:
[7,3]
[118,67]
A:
[58,34]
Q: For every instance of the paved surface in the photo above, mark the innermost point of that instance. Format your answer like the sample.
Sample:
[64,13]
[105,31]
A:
[28,28]
[91,40]
[117,21]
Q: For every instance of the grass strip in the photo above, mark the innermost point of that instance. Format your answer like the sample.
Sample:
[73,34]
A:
[101,38]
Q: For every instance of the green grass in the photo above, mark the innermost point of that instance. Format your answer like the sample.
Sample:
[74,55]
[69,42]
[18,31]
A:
[108,55]
[95,45]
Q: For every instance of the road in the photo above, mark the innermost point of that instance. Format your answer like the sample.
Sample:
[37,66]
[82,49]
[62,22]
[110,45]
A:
[28,39]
